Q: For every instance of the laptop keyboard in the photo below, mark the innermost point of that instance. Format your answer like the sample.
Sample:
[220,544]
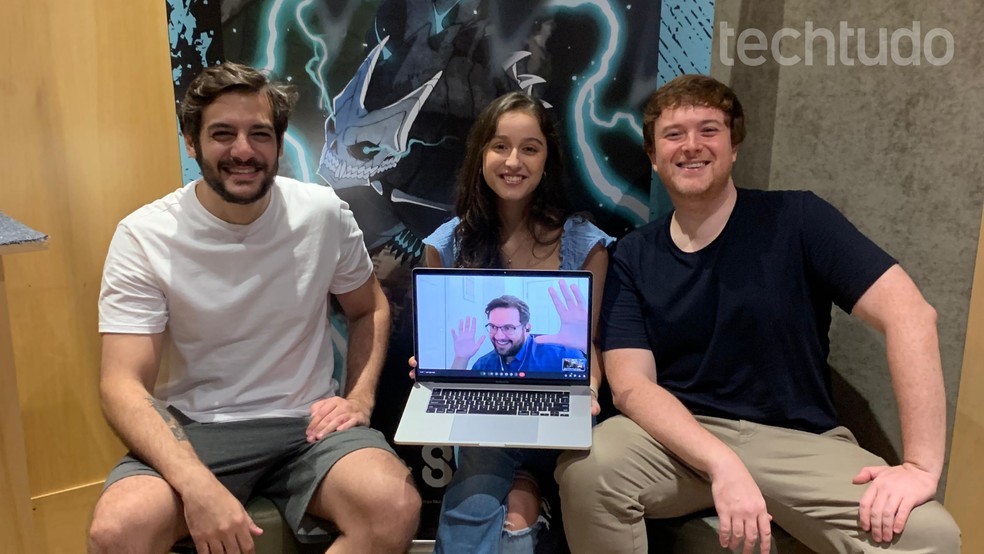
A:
[500,402]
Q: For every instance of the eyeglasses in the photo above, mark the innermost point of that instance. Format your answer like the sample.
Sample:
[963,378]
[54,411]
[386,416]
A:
[507,329]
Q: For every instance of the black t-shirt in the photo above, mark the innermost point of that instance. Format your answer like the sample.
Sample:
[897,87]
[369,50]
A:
[739,328]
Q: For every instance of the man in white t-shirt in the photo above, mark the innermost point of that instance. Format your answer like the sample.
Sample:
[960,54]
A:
[228,280]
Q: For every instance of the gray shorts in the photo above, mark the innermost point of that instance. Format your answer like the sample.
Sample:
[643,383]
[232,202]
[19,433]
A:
[271,458]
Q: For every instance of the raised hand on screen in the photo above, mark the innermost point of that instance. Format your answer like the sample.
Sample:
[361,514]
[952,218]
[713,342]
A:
[465,343]
[573,311]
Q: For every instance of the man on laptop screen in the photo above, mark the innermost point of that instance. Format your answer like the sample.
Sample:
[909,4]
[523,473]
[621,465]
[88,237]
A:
[513,347]
[516,376]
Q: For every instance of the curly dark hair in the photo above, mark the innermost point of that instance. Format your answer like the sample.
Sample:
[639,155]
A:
[478,236]
[225,77]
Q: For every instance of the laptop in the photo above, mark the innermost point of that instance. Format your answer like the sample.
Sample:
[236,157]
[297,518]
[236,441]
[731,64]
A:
[493,368]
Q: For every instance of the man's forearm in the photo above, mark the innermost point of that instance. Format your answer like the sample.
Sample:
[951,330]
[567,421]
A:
[368,339]
[152,433]
[917,377]
[894,306]
[667,420]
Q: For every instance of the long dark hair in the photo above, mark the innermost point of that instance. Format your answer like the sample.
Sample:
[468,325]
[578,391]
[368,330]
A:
[478,236]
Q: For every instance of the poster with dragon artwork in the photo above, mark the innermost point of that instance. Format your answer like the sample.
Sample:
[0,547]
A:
[389,88]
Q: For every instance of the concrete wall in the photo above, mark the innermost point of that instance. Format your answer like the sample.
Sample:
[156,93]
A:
[895,147]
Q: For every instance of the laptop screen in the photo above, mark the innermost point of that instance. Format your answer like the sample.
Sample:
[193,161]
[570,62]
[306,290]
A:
[502,325]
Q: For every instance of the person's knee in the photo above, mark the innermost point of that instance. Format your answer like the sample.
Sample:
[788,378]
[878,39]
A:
[394,514]
[405,510]
[106,535]
[523,505]
[401,521]
[370,496]
[118,533]
[930,528]
[136,514]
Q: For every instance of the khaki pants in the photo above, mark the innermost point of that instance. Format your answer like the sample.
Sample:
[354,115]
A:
[805,478]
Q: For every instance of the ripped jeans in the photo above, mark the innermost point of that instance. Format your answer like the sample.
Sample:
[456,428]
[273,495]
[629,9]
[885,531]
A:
[473,511]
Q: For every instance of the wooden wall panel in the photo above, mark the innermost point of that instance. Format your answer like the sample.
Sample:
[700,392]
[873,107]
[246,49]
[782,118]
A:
[965,479]
[16,522]
[62,519]
[86,101]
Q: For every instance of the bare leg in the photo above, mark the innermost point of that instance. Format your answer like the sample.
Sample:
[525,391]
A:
[139,514]
[370,496]
[523,504]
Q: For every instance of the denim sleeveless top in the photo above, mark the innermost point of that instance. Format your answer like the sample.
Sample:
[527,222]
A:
[577,240]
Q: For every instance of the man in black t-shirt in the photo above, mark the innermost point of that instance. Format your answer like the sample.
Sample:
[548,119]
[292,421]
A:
[714,332]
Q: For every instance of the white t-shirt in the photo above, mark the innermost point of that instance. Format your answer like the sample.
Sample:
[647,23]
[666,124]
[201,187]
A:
[245,307]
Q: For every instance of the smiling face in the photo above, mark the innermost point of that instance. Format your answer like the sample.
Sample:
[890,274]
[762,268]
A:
[237,148]
[514,158]
[507,344]
[692,152]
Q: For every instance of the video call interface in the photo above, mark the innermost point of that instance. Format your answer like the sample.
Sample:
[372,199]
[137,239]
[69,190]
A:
[457,302]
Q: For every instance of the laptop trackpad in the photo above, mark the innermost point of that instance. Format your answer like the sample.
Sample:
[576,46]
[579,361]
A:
[494,429]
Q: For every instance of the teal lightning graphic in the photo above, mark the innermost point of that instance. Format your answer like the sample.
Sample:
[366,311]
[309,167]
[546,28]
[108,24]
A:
[586,108]
[589,119]
[295,149]
[315,68]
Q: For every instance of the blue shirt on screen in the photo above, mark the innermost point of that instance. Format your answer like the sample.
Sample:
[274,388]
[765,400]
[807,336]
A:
[533,356]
